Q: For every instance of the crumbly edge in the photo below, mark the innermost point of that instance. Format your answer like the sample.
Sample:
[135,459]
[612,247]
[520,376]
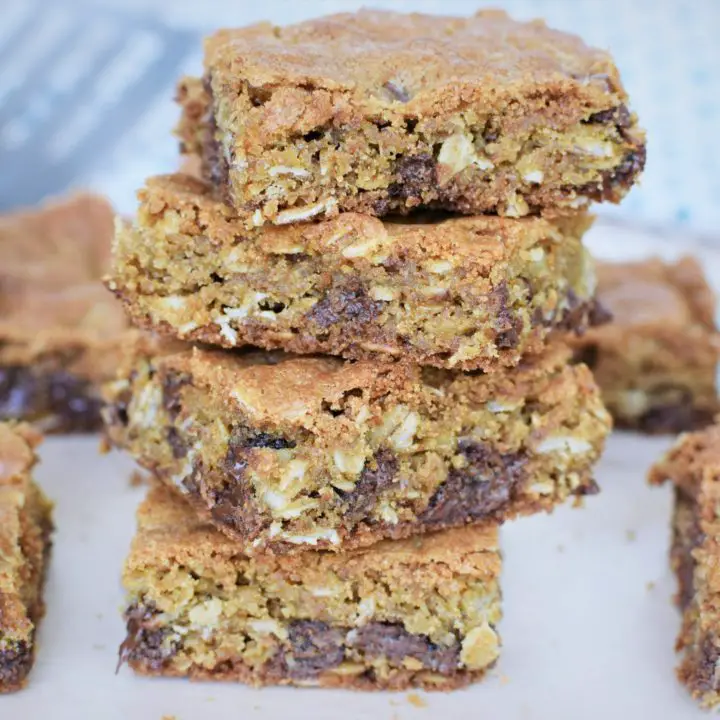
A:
[694,546]
[361,292]
[196,607]
[469,161]
[468,450]
[24,611]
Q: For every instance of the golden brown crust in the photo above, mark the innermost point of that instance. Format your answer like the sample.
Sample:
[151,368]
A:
[373,96]
[465,293]
[25,526]
[656,361]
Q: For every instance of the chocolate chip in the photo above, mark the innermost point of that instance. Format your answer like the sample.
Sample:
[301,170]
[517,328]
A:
[576,315]
[315,647]
[619,115]
[15,662]
[622,176]
[28,393]
[349,304]
[684,542]
[705,678]
[415,174]
[479,490]
[266,440]
[598,314]
[144,643]
[230,494]
[19,396]
[177,443]
[74,401]
[216,168]
[172,383]
[376,476]
[674,416]
[393,642]
[508,325]
[397,91]
[588,355]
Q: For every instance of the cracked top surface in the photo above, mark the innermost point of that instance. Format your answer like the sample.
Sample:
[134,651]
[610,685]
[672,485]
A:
[169,528]
[421,61]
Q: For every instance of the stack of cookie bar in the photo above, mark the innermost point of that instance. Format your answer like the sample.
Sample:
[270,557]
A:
[349,389]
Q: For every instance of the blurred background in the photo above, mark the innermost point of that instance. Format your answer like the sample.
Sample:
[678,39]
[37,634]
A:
[86,90]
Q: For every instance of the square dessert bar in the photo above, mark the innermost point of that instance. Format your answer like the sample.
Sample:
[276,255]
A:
[413,613]
[25,527]
[462,293]
[59,328]
[383,112]
[284,453]
[656,362]
[693,465]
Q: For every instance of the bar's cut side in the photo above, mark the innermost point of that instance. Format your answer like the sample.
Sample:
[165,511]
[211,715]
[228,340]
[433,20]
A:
[382,112]
[25,527]
[466,293]
[656,362]
[418,613]
[287,452]
[693,465]
[59,328]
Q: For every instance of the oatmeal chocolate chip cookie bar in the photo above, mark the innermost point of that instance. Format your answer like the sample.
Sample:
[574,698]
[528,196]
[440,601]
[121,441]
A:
[693,466]
[413,613]
[284,452]
[59,328]
[25,527]
[382,112]
[656,362]
[463,293]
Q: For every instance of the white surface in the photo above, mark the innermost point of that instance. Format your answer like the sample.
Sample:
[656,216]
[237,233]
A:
[588,630]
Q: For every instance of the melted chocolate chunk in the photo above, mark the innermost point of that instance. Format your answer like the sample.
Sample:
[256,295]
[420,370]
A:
[376,476]
[479,490]
[705,678]
[508,326]
[675,416]
[682,548]
[415,174]
[231,494]
[266,440]
[19,392]
[28,393]
[349,304]
[172,383]
[177,443]
[392,641]
[15,662]
[215,167]
[587,355]
[315,647]
[621,176]
[619,115]
[144,643]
